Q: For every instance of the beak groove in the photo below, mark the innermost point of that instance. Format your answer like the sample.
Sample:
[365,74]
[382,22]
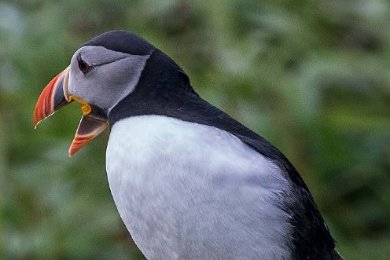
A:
[54,96]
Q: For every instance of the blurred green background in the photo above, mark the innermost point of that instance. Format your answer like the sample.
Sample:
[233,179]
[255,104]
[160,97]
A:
[311,76]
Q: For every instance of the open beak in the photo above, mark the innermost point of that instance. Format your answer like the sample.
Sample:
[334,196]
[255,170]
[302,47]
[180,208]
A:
[54,96]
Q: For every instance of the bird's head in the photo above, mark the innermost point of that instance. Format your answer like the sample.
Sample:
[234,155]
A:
[102,72]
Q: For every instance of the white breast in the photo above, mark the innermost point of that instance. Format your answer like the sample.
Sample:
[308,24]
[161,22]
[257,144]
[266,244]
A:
[191,191]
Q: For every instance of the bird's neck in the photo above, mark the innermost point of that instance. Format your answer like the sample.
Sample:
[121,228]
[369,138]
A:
[163,86]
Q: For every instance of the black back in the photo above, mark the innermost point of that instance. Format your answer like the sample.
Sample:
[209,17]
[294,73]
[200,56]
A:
[164,89]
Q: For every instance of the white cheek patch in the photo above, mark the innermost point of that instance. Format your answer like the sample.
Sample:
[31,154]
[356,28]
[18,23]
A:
[124,76]
[114,76]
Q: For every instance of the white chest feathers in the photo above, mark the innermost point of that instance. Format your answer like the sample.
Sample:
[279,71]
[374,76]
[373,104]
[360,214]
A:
[190,191]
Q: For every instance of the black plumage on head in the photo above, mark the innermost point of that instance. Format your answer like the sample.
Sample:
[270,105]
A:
[122,41]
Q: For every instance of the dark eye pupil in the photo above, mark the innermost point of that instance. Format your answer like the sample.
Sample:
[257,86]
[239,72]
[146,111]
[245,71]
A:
[83,66]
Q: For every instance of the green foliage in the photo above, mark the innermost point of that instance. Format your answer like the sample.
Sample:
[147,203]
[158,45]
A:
[311,76]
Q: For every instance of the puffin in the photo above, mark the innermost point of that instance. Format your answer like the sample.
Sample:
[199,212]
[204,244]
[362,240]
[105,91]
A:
[188,180]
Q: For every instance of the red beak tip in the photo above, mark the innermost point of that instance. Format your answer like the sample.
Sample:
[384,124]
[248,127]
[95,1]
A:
[50,99]
[72,150]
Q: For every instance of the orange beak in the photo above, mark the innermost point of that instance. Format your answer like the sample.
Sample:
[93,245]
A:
[54,96]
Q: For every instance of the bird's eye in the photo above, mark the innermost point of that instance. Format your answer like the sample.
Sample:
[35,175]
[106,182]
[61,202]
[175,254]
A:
[83,66]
